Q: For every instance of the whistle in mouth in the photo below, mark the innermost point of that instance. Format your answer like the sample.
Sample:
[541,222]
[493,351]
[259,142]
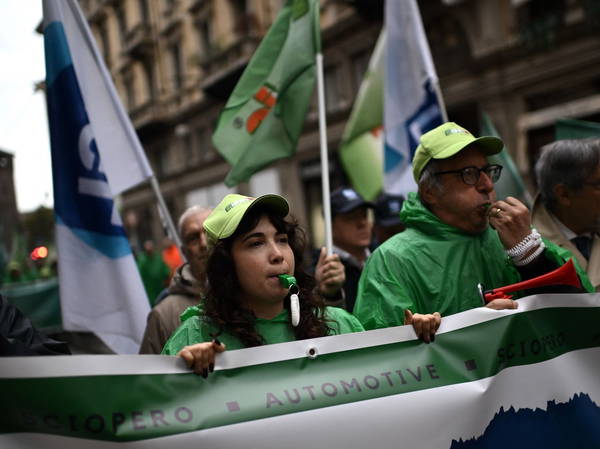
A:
[287,280]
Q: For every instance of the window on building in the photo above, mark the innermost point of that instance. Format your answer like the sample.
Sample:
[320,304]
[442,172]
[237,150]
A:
[129,90]
[239,6]
[164,159]
[149,77]
[144,12]
[240,16]
[176,66]
[122,21]
[360,64]
[169,6]
[200,148]
[203,28]
[204,147]
[190,151]
[333,94]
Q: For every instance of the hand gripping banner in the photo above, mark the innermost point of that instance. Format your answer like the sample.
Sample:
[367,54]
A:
[514,378]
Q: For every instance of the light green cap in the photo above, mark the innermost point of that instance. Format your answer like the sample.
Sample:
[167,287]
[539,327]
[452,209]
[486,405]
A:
[226,217]
[445,141]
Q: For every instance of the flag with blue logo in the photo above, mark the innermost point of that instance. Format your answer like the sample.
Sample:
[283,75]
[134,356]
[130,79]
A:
[95,155]
[412,106]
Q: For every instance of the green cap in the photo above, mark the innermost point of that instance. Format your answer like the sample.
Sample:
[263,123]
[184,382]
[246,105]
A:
[445,141]
[225,218]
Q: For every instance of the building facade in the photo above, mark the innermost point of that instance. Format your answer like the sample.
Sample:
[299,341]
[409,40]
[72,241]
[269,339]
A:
[525,63]
[9,218]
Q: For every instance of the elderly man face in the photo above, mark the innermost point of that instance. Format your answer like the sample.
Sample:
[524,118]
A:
[457,203]
[581,207]
[194,241]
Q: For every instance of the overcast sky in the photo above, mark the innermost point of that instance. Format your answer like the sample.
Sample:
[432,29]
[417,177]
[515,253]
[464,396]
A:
[23,121]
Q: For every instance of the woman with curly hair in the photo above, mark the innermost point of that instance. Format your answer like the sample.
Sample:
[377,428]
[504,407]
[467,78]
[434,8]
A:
[253,246]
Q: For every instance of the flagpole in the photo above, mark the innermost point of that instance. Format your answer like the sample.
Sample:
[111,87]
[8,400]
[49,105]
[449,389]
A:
[438,92]
[324,154]
[162,207]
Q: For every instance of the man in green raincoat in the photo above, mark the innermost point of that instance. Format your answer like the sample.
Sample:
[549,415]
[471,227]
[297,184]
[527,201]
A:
[458,235]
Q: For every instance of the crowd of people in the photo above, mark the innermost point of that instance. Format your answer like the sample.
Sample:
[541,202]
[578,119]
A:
[395,261]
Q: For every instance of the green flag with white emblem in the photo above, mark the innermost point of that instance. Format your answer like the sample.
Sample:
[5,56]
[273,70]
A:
[264,116]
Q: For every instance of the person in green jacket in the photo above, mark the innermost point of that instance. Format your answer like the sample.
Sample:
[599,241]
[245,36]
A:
[432,269]
[252,247]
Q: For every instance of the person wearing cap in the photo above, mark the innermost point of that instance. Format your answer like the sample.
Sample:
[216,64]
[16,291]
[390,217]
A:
[433,267]
[252,298]
[351,231]
[387,217]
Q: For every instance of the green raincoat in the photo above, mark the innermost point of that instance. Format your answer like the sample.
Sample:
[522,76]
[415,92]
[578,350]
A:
[196,329]
[434,267]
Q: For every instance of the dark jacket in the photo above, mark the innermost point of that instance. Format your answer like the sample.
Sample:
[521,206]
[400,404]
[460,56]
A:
[18,336]
[184,291]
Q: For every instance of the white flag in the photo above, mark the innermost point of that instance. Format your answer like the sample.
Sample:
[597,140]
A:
[412,106]
[95,155]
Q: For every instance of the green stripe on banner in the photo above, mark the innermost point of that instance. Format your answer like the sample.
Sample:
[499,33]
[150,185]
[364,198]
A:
[136,407]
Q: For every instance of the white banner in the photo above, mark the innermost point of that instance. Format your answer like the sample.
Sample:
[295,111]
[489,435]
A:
[516,378]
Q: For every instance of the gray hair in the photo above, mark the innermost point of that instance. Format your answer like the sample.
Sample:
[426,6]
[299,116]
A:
[429,179]
[188,213]
[568,162]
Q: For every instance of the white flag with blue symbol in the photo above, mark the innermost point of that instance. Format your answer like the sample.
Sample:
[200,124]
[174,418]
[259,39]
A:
[95,156]
[411,103]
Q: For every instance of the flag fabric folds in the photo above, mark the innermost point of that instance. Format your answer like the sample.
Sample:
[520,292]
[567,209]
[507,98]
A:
[361,148]
[510,183]
[567,128]
[412,106]
[265,113]
[95,155]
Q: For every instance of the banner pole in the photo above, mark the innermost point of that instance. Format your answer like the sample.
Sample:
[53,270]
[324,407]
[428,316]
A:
[324,154]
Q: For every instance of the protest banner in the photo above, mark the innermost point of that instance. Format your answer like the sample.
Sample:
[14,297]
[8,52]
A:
[523,377]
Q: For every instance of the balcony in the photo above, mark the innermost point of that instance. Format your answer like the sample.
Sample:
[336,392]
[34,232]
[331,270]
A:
[138,42]
[148,118]
[223,68]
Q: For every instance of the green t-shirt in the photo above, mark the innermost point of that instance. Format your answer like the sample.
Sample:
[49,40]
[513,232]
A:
[195,328]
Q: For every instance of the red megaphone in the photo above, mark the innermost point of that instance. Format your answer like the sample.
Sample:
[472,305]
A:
[565,275]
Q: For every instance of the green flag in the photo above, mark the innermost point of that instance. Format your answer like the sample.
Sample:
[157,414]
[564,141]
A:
[264,116]
[510,183]
[567,128]
[361,150]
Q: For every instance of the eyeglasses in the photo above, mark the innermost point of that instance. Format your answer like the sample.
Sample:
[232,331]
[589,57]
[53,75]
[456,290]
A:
[470,175]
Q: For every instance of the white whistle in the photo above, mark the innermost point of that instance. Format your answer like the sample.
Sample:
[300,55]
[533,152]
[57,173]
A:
[295,309]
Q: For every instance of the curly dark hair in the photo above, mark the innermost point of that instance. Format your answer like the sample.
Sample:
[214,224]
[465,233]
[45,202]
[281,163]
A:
[223,305]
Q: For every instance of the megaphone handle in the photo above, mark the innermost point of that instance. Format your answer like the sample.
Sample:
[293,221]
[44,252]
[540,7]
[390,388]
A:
[490,295]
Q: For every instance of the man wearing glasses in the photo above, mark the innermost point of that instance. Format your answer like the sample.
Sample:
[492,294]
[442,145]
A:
[458,235]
